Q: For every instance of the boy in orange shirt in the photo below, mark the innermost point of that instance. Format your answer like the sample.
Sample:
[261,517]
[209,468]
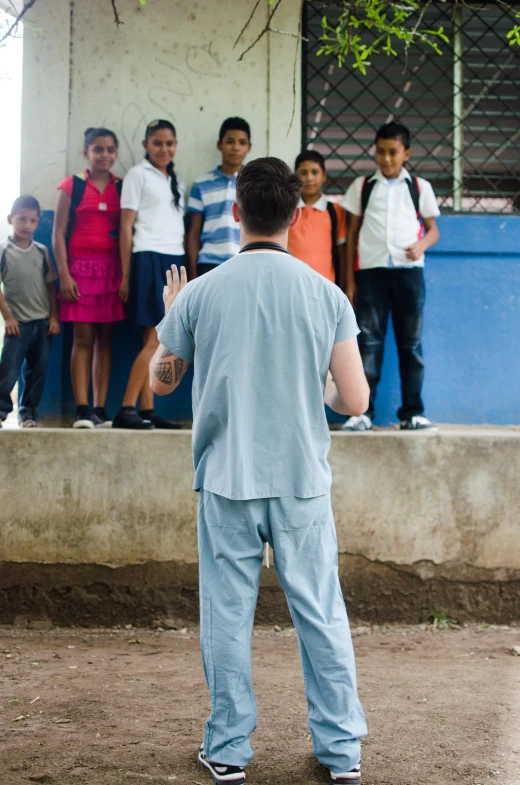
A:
[320,235]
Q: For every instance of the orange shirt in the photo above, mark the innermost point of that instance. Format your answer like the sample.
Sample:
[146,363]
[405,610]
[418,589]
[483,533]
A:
[311,241]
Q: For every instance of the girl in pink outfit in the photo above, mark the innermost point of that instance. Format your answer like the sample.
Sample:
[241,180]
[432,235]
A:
[85,240]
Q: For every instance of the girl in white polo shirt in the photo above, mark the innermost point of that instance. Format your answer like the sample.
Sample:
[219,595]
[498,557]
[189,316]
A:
[151,240]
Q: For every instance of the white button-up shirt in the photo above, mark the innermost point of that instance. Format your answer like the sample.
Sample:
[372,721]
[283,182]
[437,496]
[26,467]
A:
[159,225]
[390,223]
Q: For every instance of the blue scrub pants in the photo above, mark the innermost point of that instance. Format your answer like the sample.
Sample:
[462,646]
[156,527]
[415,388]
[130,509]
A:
[232,535]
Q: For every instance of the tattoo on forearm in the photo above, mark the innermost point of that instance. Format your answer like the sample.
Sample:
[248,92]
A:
[166,353]
[179,369]
[163,372]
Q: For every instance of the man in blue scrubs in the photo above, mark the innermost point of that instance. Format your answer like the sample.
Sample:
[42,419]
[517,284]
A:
[263,330]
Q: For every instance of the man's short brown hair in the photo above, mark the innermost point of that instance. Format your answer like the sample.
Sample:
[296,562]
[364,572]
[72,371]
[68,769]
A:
[267,196]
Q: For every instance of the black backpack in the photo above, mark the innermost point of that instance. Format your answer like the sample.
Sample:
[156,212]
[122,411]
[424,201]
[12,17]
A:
[79,184]
[413,187]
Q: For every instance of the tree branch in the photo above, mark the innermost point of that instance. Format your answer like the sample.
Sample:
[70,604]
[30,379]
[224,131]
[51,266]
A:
[241,33]
[117,18]
[12,28]
[262,32]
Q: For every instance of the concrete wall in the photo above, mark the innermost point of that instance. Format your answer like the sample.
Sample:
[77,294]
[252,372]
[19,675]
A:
[169,59]
[95,524]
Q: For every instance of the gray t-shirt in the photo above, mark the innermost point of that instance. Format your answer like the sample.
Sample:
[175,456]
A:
[260,329]
[25,274]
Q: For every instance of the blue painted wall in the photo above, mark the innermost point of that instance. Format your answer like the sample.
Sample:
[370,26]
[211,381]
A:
[472,329]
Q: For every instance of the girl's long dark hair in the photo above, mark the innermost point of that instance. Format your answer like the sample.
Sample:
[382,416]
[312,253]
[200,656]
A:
[151,128]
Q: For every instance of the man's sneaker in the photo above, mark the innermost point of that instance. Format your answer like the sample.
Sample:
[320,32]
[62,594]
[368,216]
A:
[418,423]
[220,773]
[100,418]
[358,424]
[352,777]
[83,417]
[127,417]
[158,421]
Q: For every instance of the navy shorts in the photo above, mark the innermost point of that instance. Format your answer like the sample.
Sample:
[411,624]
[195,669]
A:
[147,281]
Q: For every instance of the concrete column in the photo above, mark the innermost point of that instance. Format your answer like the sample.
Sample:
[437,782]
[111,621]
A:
[45,100]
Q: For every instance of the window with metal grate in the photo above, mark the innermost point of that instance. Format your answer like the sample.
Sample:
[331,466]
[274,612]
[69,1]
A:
[462,107]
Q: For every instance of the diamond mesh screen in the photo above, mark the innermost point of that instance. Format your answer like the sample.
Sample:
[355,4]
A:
[342,108]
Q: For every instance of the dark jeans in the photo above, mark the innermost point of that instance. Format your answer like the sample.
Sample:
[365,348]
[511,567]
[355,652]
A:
[28,353]
[401,292]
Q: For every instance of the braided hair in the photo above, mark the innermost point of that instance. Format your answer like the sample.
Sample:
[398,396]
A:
[151,128]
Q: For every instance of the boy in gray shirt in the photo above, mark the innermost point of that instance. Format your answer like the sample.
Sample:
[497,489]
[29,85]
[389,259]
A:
[29,307]
[263,329]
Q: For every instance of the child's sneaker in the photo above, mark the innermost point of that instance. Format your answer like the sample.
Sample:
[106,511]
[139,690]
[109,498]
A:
[100,418]
[158,421]
[83,417]
[418,423]
[219,772]
[127,417]
[28,423]
[358,424]
[352,777]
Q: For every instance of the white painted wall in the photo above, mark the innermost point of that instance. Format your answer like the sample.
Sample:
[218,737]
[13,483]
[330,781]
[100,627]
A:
[172,59]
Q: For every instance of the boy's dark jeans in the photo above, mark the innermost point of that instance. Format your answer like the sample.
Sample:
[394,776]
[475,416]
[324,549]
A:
[380,291]
[29,353]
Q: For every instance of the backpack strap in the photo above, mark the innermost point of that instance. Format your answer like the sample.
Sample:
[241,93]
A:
[3,260]
[334,237]
[79,184]
[119,185]
[415,193]
[366,189]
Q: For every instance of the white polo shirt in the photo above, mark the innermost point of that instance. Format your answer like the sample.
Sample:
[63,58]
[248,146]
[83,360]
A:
[159,225]
[390,223]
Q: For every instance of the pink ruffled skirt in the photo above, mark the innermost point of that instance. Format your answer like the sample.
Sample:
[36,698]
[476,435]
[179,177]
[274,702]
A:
[98,279]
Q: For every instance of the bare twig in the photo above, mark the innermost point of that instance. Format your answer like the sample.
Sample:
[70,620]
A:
[299,37]
[286,32]
[241,33]
[262,32]
[117,18]
[12,28]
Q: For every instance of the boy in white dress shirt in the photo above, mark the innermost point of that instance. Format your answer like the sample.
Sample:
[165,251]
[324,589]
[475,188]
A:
[392,224]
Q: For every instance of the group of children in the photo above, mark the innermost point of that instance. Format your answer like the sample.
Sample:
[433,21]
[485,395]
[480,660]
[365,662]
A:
[114,240]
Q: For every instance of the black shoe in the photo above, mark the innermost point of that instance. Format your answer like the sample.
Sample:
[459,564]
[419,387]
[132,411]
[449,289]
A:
[157,421]
[83,417]
[100,418]
[221,773]
[352,777]
[418,423]
[127,417]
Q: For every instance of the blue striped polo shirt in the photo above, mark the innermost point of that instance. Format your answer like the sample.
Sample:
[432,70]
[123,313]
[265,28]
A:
[212,195]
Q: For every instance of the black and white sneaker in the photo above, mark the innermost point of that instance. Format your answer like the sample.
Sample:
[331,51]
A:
[127,417]
[418,423]
[352,777]
[83,417]
[100,418]
[219,772]
[158,421]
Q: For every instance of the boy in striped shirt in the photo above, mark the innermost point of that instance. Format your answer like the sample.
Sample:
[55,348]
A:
[214,237]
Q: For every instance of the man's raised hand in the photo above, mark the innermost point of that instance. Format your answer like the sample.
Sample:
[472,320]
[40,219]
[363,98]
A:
[174,285]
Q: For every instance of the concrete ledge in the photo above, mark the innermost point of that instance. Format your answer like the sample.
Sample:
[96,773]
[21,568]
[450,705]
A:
[100,526]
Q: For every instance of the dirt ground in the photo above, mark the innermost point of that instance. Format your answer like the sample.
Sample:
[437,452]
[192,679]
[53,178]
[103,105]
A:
[106,707]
